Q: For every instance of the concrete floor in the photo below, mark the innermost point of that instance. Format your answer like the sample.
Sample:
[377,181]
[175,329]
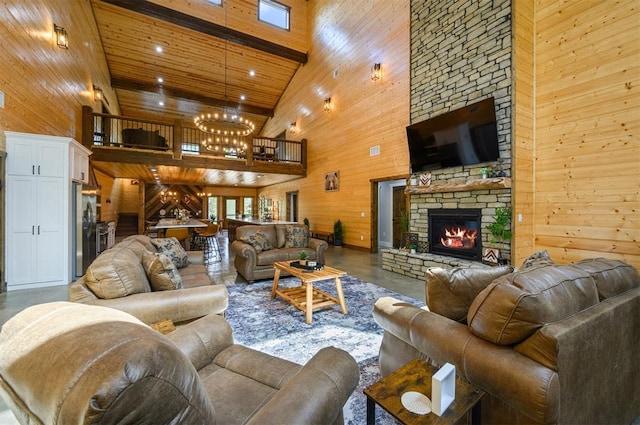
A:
[360,264]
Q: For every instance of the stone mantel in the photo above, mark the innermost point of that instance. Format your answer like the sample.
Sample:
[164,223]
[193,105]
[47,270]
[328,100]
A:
[462,186]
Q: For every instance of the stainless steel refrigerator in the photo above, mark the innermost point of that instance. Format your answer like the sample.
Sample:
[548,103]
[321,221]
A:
[84,226]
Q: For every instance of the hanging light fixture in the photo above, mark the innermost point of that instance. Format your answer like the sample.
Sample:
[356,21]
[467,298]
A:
[376,71]
[227,129]
[62,38]
[98,94]
[327,104]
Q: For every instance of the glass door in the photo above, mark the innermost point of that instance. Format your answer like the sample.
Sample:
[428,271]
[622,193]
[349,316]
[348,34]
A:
[231,207]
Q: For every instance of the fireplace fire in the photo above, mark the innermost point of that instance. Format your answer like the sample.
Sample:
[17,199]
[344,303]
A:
[456,233]
[459,238]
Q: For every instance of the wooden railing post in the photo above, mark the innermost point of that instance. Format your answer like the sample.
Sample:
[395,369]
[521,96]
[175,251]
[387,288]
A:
[177,139]
[87,126]
[303,153]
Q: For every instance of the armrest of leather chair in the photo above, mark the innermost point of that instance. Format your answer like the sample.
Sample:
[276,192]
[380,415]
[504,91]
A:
[316,394]
[319,246]
[203,339]
[244,250]
[179,305]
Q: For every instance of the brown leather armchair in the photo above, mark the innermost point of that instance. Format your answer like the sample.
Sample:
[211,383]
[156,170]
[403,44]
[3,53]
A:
[69,363]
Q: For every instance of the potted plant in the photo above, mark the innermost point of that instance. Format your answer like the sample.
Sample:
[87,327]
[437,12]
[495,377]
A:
[306,222]
[303,258]
[337,233]
[501,227]
[484,171]
[404,224]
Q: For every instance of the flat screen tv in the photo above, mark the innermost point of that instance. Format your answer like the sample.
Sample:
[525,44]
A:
[465,136]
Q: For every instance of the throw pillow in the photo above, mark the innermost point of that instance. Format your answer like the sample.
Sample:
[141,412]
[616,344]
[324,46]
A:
[171,248]
[162,273]
[516,305]
[116,273]
[538,258]
[296,237]
[258,240]
[451,292]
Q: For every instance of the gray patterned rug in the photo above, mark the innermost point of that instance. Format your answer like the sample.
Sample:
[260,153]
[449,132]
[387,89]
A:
[276,327]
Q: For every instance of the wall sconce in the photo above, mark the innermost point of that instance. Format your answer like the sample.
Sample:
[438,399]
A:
[62,38]
[293,127]
[327,104]
[97,93]
[376,71]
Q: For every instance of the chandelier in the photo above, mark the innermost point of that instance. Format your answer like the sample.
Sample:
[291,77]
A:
[224,124]
[225,130]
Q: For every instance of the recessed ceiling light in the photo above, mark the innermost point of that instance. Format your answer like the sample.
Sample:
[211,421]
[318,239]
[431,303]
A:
[161,103]
[160,80]
[252,73]
[242,97]
[159,49]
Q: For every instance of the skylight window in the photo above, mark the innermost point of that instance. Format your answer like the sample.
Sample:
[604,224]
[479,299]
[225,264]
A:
[218,2]
[274,13]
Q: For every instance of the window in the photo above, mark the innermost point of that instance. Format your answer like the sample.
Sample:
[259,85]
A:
[218,2]
[212,208]
[274,13]
[247,206]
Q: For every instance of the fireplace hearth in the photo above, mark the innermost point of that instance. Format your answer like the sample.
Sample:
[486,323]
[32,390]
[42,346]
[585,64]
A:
[456,233]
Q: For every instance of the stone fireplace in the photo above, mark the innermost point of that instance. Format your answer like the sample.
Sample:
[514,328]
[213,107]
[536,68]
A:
[464,61]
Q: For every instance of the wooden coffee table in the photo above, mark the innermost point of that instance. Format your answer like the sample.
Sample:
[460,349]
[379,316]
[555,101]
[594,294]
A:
[306,297]
[416,376]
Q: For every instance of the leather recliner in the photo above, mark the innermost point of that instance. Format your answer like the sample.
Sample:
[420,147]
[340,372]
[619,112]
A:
[69,363]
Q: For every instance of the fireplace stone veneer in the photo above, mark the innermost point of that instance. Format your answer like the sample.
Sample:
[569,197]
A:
[451,191]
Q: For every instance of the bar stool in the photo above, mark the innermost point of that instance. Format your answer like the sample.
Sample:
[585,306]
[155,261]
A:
[210,236]
[181,234]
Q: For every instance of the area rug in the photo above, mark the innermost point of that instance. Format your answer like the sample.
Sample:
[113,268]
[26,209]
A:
[276,327]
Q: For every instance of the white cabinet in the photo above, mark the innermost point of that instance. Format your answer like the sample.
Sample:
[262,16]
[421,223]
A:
[79,160]
[29,158]
[38,210]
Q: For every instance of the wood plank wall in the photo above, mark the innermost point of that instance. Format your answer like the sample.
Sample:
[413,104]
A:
[587,135]
[348,38]
[45,86]
[523,131]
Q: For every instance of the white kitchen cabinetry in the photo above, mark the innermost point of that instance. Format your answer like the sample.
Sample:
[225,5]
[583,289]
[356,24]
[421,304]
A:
[79,160]
[38,210]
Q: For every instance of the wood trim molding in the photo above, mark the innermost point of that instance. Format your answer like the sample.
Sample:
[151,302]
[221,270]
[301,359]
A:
[462,186]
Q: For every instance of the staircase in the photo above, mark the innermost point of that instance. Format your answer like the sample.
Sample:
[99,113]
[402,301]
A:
[127,225]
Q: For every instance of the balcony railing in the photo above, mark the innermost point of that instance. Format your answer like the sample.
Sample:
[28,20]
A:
[106,130]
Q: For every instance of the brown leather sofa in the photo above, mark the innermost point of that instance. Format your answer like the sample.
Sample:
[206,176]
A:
[253,262]
[146,139]
[550,344]
[118,279]
[68,363]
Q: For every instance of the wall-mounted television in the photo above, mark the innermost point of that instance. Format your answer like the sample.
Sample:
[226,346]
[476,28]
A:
[465,136]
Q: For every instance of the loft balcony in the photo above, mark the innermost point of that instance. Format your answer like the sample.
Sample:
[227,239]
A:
[128,147]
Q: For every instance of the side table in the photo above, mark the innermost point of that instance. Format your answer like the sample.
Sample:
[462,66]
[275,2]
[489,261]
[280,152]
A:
[416,376]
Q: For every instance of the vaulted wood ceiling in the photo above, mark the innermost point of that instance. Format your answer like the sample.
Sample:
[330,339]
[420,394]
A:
[204,63]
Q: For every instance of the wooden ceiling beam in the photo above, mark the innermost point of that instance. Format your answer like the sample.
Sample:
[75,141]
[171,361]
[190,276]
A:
[196,24]
[133,85]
